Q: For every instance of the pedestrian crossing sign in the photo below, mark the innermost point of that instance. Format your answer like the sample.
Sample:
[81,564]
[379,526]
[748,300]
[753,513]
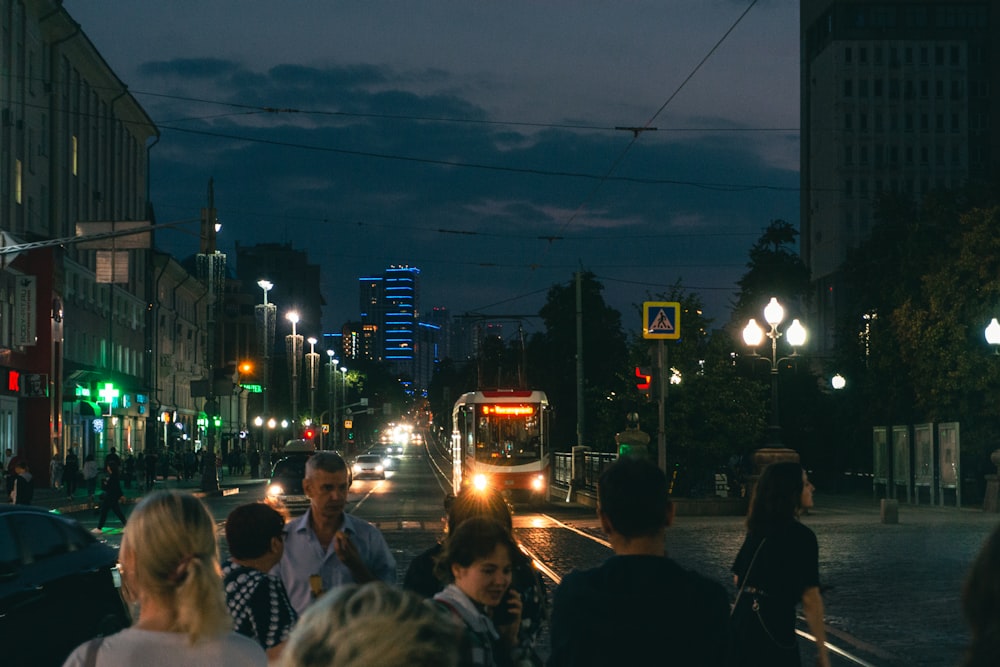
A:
[661,319]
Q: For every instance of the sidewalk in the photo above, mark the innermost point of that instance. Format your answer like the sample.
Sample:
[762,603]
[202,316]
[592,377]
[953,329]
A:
[56,499]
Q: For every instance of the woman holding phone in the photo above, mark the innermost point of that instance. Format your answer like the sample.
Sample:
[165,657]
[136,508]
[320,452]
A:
[478,561]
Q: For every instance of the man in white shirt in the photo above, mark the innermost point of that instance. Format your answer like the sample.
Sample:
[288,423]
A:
[326,547]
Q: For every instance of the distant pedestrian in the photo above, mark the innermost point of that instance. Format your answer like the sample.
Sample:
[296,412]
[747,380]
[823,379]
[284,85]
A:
[150,469]
[257,601]
[23,491]
[255,463]
[113,457]
[639,607]
[777,568]
[111,499]
[56,471]
[90,472]
[9,473]
[71,472]
[128,470]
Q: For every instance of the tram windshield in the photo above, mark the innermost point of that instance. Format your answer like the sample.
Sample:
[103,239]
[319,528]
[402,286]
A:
[508,434]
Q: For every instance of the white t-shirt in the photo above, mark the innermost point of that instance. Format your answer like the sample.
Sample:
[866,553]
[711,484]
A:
[149,648]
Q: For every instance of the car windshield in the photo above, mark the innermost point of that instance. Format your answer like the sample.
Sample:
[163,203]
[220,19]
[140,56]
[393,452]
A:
[369,459]
[289,468]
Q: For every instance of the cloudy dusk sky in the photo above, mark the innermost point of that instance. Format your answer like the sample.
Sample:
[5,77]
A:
[474,140]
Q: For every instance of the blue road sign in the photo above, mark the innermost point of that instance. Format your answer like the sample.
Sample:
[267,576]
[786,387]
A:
[661,319]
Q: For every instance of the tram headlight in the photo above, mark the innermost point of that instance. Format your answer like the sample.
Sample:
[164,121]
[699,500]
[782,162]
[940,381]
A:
[275,490]
[479,482]
[538,483]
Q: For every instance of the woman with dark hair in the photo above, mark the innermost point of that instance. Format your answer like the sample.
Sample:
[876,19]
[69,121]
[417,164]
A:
[477,560]
[526,580]
[776,569]
[981,605]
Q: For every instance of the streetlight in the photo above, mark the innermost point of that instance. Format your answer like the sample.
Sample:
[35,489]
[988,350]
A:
[753,336]
[993,335]
[293,344]
[332,389]
[343,396]
[312,364]
[265,325]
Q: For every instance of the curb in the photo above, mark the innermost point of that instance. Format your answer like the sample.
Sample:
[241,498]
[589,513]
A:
[85,506]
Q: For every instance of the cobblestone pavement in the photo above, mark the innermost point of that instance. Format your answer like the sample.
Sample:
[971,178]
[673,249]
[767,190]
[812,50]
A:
[892,592]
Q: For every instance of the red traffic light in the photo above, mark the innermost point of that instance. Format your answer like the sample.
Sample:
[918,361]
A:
[645,378]
[309,433]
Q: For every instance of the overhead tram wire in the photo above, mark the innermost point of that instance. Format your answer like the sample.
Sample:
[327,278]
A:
[637,131]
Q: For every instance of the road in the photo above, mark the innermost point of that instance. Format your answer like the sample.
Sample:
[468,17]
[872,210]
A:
[891,591]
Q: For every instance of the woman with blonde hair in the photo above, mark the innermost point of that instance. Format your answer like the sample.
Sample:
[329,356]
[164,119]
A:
[170,569]
[371,624]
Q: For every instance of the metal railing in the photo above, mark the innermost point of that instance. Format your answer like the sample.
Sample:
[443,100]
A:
[584,476]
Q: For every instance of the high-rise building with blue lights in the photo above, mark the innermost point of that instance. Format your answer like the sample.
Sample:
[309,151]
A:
[390,311]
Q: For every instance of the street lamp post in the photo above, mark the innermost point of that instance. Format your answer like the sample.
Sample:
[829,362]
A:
[753,335]
[293,345]
[332,398]
[265,325]
[312,364]
[343,398]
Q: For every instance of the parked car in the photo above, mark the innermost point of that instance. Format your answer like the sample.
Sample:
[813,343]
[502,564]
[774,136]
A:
[369,465]
[59,587]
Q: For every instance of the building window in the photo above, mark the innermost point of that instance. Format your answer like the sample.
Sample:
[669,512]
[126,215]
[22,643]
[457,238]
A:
[877,87]
[18,181]
[863,88]
[74,158]
[848,88]
[956,59]
[848,122]
[847,54]
[848,154]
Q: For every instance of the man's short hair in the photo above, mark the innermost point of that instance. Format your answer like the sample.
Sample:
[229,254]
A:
[250,529]
[632,494]
[325,461]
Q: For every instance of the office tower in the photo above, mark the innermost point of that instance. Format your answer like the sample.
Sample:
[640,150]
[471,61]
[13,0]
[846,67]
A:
[894,98]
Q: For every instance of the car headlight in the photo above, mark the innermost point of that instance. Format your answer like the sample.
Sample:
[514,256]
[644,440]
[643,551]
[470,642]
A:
[275,490]
[357,468]
[379,468]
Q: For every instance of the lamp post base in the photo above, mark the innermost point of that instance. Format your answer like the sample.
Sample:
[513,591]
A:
[768,455]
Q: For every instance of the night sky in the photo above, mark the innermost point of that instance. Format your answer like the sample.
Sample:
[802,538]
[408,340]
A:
[474,140]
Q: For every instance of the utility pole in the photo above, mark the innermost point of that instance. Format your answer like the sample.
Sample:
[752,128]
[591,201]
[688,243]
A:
[212,270]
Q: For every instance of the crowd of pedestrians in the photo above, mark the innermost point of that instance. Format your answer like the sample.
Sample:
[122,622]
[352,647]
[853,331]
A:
[320,590]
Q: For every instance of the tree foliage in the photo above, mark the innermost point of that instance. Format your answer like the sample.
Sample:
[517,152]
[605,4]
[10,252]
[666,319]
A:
[774,269]
[551,363]
[923,289]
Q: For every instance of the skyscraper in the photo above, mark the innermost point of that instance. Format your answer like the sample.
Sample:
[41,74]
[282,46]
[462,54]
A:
[894,98]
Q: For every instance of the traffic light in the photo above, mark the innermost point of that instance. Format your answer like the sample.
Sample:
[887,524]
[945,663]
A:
[309,433]
[644,380]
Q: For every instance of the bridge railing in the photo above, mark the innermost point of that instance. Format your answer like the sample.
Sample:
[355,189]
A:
[579,469]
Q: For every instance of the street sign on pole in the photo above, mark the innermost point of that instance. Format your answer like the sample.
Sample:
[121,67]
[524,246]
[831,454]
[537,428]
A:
[661,320]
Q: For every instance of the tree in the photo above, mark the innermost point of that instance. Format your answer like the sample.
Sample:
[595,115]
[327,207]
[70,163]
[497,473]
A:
[774,270]
[551,364]
[713,413]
